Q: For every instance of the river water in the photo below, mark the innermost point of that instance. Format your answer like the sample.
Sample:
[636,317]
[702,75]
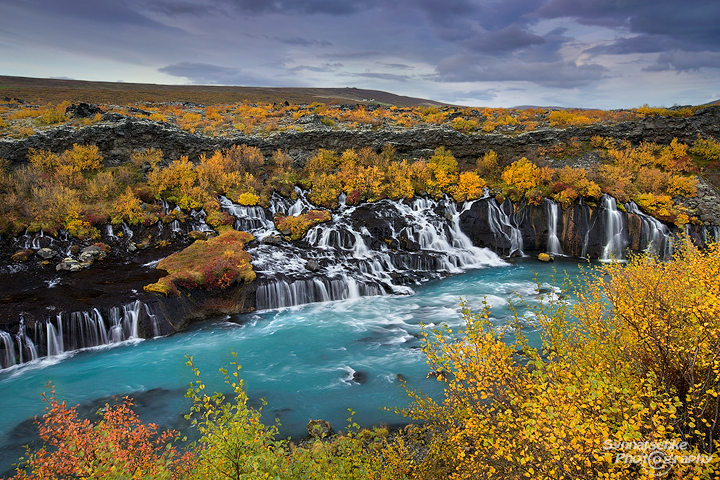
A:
[307,362]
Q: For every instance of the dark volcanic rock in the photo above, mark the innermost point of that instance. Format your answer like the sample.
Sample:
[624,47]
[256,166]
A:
[118,136]
[83,110]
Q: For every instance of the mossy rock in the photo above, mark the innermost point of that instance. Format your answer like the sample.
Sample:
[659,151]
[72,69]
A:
[216,263]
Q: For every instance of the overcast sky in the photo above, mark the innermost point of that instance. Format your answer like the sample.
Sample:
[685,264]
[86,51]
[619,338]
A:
[503,53]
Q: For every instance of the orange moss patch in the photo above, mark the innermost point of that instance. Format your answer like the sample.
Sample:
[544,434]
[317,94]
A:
[216,263]
[299,225]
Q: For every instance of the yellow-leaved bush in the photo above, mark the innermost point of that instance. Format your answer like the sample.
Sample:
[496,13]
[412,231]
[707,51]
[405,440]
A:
[637,358]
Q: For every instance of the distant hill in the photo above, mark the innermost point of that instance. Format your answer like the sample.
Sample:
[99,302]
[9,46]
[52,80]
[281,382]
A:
[47,90]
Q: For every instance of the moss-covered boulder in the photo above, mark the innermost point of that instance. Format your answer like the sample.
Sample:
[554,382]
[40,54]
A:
[297,226]
[216,263]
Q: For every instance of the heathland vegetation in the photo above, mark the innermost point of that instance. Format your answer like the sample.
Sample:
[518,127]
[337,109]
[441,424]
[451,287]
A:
[74,191]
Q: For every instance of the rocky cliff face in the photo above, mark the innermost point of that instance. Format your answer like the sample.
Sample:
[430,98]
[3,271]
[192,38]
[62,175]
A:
[118,136]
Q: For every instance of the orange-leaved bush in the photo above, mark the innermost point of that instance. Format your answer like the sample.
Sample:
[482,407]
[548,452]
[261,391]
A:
[118,445]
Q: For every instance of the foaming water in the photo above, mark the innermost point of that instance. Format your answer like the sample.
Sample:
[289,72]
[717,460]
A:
[307,362]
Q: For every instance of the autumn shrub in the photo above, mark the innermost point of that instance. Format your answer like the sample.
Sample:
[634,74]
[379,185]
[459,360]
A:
[147,156]
[118,445]
[443,171]
[216,263]
[706,148]
[298,225]
[634,359]
[567,118]
[464,125]
[470,187]
[487,165]
[82,158]
[602,142]
[234,444]
[126,208]
[53,115]
[325,190]
[683,186]
[522,174]
[248,199]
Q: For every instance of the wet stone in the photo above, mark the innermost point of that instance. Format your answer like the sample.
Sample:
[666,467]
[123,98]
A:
[46,253]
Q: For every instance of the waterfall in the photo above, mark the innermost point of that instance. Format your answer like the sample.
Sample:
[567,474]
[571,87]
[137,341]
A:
[710,233]
[26,347]
[613,221]
[7,358]
[75,331]
[54,338]
[366,250]
[109,232]
[654,235]
[552,211]
[247,218]
[503,226]
[198,221]
[127,231]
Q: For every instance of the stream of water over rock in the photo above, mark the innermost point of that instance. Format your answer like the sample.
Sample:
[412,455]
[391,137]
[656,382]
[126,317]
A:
[308,362]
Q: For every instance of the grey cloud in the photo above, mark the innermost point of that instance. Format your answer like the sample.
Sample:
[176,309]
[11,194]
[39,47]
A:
[560,74]
[380,76]
[358,55]
[690,25]
[308,7]
[489,94]
[396,66]
[175,9]
[636,44]
[509,39]
[684,61]
[96,11]
[304,42]
[207,74]
[325,67]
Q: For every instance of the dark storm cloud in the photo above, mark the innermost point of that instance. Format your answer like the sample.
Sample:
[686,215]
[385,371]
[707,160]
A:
[655,26]
[684,61]
[509,39]
[206,74]
[560,74]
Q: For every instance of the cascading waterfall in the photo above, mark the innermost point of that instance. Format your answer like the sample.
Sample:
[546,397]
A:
[503,226]
[613,220]
[366,250]
[7,358]
[247,218]
[654,235]
[552,211]
[54,339]
[26,347]
[74,331]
